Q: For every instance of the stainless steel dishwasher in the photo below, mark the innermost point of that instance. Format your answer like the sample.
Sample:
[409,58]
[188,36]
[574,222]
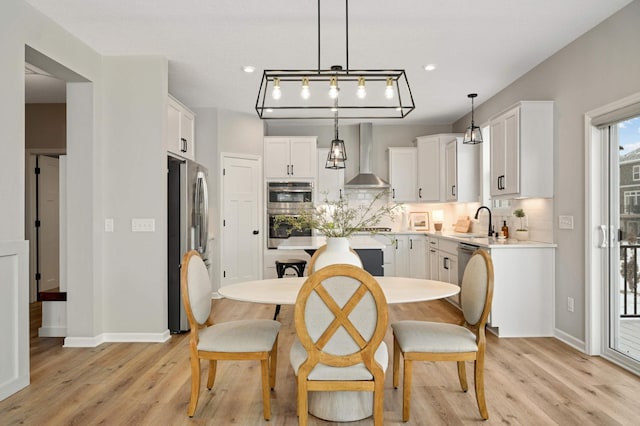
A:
[465,250]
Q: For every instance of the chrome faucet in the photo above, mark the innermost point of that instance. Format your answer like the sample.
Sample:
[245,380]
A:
[489,210]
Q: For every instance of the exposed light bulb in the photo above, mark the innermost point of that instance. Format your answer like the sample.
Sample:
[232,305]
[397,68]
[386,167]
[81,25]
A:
[305,93]
[361,93]
[276,93]
[388,92]
[333,88]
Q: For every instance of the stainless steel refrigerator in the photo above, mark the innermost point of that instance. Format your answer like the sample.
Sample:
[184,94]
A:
[187,217]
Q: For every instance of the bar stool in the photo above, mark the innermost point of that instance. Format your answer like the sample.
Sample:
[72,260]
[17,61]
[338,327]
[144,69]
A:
[297,265]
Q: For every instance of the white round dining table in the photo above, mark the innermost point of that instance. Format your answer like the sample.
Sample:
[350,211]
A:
[341,406]
[284,291]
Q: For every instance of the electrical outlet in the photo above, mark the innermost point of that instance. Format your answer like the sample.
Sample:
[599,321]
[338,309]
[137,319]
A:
[570,304]
[143,225]
[108,225]
[565,222]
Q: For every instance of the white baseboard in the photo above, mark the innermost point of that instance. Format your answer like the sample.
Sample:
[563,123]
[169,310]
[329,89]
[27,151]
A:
[92,342]
[49,331]
[570,340]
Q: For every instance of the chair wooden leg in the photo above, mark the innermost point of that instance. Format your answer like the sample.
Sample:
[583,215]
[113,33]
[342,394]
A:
[396,362]
[274,362]
[195,384]
[406,389]
[479,382]
[462,375]
[378,403]
[211,378]
[303,403]
[266,402]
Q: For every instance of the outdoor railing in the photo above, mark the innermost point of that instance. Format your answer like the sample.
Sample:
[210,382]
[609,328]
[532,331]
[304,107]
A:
[629,271]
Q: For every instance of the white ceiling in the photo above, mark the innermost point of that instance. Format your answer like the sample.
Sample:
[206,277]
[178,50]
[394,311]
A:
[477,45]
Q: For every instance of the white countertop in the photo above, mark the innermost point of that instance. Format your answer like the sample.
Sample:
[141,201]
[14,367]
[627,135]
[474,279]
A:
[356,242]
[476,239]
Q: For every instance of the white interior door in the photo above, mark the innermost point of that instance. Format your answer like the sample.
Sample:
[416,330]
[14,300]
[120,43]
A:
[241,228]
[49,216]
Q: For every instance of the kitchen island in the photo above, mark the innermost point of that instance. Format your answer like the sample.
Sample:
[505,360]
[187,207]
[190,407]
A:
[369,249]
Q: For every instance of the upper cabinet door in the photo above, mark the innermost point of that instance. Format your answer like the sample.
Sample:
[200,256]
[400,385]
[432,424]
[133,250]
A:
[180,129]
[290,157]
[522,151]
[403,174]
[451,171]
[303,157]
[429,169]
[276,157]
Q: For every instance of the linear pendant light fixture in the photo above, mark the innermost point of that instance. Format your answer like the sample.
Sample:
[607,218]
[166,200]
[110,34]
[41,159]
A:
[311,94]
[473,135]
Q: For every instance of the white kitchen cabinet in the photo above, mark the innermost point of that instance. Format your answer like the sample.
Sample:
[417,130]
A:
[432,256]
[290,157]
[389,253]
[430,160]
[462,171]
[411,256]
[418,256]
[180,129]
[523,291]
[403,174]
[448,265]
[522,151]
[330,182]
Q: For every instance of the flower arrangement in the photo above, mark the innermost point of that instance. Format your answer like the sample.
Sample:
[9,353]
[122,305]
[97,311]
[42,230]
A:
[519,213]
[338,219]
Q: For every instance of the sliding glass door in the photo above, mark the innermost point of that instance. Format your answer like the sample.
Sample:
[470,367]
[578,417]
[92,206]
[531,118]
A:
[622,236]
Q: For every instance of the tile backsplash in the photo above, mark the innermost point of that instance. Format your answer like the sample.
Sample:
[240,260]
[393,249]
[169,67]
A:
[538,211]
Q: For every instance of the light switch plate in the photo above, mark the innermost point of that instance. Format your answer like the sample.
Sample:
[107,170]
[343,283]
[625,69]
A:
[143,225]
[565,222]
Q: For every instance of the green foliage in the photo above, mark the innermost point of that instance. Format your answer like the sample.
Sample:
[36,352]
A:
[337,219]
[519,213]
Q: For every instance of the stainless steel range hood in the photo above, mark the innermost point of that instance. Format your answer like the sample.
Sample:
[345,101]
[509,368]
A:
[365,179]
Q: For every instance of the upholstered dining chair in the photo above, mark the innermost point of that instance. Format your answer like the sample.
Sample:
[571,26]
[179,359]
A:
[312,261]
[434,341]
[233,340]
[340,320]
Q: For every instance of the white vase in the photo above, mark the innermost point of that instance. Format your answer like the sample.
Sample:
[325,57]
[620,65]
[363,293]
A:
[338,251]
[522,235]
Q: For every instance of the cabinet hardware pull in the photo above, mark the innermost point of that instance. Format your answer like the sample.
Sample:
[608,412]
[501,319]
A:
[410,244]
[445,263]
[393,193]
[453,190]
[256,232]
[419,192]
[183,148]
[292,170]
[288,170]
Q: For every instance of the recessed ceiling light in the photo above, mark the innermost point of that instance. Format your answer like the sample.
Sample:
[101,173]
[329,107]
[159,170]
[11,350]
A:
[430,67]
[248,68]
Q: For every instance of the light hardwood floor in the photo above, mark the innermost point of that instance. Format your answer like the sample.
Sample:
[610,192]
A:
[528,382]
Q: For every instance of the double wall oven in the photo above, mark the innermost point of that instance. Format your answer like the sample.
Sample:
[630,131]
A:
[287,198]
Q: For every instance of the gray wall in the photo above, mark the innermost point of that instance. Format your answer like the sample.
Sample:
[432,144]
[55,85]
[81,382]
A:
[598,68]
[116,168]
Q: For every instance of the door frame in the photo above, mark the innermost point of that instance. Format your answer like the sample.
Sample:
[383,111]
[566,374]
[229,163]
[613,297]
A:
[260,212]
[596,275]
